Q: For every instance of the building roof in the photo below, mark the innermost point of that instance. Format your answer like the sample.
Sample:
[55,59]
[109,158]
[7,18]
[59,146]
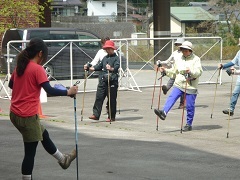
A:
[184,14]
[198,4]
[66,3]
[104,0]
[138,17]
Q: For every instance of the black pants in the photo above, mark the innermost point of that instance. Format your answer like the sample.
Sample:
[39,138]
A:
[102,93]
[30,152]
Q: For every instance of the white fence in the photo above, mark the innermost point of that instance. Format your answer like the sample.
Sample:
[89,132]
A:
[137,62]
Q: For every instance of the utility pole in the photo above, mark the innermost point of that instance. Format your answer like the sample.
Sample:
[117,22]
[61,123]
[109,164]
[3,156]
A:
[161,23]
[126,10]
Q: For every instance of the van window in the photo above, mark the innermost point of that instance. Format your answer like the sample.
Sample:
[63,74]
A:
[62,35]
[91,44]
[40,34]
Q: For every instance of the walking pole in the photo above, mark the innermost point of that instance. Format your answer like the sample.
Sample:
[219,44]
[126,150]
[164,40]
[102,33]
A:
[84,92]
[159,65]
[109,101]
[215,92]
[184,100]
[229,108]
[118,102]
[159,96]
[76,131]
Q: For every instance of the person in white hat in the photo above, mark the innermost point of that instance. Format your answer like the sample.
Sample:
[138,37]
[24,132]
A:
[187,71]
[236,91]
[169,62]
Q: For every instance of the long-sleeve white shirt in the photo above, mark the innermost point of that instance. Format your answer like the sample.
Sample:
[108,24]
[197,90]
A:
[174,56]
[98,57]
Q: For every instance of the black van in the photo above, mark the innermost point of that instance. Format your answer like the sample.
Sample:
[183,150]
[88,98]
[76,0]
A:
[58,65]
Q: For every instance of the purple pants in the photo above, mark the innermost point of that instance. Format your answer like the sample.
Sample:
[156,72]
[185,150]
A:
[190,103]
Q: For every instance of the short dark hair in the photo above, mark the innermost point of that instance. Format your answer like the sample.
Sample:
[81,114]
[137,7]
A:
[104,39]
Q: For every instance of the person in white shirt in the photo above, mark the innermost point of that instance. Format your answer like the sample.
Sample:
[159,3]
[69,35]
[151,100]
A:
[101,53]
[169,63]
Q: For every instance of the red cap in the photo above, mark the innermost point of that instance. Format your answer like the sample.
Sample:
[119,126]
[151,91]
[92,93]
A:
[109,44]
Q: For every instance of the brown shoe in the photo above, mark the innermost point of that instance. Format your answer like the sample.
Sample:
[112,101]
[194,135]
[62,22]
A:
[93,117]
[181,106]
[108,120]
[68,158]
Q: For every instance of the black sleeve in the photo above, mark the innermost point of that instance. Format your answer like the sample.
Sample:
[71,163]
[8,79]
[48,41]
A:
[116,65]
[10,84]
[53,91]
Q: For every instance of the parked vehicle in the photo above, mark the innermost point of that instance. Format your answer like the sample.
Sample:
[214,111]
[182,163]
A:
[58,65]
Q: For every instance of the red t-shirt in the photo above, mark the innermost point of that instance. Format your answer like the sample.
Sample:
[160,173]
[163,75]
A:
[26,90]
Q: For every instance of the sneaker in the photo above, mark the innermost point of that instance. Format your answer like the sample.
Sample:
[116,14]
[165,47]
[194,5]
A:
[68,158]
[108,120]
[164,89]
[226,111]
[160,113]
[187,127]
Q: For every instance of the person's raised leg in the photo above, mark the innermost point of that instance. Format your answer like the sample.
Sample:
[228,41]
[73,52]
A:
[172,98]
[64,160]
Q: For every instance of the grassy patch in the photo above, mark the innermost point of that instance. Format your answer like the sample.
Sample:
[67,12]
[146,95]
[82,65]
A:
[1,114]
[54,120]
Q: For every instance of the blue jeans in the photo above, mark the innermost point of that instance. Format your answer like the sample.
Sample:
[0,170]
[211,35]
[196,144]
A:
[234,97]
[190,103]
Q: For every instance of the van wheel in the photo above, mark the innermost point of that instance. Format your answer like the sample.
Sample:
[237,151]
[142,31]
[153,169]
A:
[49,70]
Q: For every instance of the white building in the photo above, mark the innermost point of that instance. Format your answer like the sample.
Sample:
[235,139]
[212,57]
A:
[101,8]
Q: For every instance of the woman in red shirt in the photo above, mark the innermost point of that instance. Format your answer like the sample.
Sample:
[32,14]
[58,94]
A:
[26,82]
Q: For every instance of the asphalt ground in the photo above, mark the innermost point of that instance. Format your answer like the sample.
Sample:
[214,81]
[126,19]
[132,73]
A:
[131,148]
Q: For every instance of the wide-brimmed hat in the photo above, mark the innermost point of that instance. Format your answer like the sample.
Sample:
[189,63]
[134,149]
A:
[187,45]
[179,41]
[109,44]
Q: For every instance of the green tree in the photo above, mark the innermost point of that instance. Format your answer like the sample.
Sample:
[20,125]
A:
[19,13]
[228,27]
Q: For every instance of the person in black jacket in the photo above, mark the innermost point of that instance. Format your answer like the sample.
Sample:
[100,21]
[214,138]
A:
[108,68]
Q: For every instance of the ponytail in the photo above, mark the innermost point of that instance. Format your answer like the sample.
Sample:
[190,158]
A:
[22,62]
[34,47]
